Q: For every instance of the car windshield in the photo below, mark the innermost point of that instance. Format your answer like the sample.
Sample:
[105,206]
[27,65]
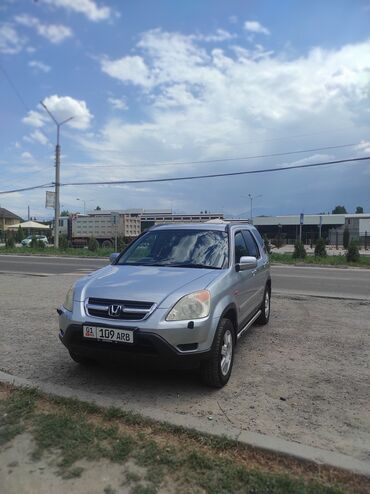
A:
[179,248]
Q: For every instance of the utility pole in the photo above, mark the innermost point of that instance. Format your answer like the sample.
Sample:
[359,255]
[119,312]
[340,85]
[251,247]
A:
[57,174]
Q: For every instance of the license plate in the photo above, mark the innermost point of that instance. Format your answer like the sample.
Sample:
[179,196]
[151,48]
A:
[108,334]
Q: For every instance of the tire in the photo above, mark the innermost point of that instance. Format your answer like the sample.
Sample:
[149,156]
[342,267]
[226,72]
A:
[265,307]
[217,369]
[80,359]
[107,244]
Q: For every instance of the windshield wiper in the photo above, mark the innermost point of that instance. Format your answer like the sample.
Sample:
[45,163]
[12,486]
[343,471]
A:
[189,265]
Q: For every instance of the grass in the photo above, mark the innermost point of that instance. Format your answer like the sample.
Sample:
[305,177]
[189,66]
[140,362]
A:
[192,462]
[51,251]
[287,258]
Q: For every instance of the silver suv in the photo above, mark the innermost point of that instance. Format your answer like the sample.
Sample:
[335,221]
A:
[181,295]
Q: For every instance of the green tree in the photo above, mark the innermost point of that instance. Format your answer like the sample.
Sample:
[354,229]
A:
[339,210]
[267,244]
[9,241]
[98,208]
[19,236]
[63,242]
[299,250]
[65,212]
[93,244]
[353,253]
[346,237]
[34,242]
[320,248]
[359,210]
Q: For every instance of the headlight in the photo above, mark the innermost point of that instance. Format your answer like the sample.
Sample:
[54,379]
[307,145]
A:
[193,306]
[68,303]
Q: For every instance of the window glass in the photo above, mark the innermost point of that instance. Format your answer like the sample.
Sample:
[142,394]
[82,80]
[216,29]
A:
[182,248]
[240,247]
[251,244]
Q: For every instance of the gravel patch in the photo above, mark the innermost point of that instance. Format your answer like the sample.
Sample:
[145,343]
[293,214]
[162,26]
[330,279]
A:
[304,377]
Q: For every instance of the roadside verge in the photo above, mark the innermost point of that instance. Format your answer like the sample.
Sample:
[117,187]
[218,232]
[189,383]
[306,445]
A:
[300,452]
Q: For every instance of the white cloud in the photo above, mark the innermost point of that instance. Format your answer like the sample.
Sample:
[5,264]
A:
[10,41]
[128,69]
[34,118]
[39,137]
[118,103]
[26,156]
[213,103]
[55,33]
[40,66]
[89,8]
[219,36]
[256,27]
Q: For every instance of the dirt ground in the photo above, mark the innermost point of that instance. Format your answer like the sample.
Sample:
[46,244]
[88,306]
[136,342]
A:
[304,377]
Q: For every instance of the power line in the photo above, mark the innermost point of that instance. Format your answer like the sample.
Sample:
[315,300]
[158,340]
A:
[196,177]
[14,87]
[215,175]
[11,191]
[221,160]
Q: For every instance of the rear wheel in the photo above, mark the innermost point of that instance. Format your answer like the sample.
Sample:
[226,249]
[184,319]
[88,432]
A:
[81,359]
[216,370]
[265,307]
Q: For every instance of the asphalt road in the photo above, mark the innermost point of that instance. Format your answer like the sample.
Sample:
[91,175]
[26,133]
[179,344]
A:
[319,281]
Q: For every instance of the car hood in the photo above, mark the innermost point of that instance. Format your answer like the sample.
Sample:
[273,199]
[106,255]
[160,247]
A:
[154,284]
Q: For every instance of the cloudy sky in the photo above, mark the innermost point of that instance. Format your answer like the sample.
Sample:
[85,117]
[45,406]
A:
[151,85]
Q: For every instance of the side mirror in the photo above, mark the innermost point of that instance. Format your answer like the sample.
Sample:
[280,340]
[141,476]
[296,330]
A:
[246,262]
[113,257]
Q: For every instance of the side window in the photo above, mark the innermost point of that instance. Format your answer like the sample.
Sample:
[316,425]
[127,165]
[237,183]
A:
[251,244]
[240,247]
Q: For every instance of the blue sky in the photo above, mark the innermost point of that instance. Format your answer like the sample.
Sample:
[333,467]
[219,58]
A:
[151,84]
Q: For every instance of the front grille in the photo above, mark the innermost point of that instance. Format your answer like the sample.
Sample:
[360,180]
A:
[129,310]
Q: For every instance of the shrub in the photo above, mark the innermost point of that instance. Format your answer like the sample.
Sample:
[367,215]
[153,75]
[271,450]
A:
[63,242]
[121,244]
[353,253]
[346,238]
[40,244]
[93,244]
[267,244]
[19,236]
[34,242]
[299,250]
[320,248]
[278,241]
[10,241]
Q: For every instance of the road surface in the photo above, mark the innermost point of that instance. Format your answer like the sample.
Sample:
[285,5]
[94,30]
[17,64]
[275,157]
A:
[319,281]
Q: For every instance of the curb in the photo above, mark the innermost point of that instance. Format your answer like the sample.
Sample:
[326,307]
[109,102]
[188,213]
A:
[256,440]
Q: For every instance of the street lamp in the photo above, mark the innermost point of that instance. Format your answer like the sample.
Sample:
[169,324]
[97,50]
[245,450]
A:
[251,199]
[84,201]
[57,174]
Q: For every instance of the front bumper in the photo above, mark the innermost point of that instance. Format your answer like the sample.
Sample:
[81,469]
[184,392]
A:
[169,344]
[148,348]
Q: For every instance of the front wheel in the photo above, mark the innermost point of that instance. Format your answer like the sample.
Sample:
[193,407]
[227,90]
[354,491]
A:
[265,307]
[216,370]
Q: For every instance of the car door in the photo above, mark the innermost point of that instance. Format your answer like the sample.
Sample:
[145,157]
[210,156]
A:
[245,282]
[259,273]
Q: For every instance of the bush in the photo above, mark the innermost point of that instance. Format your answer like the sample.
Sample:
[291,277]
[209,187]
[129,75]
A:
[353,253]
[267,244]
[10,241]
[320,248]
[19,236]
[121,244]
[299,250]
[40,244]
[34,242]
[63,242]
[93,244]
[346,238]
[278,241]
